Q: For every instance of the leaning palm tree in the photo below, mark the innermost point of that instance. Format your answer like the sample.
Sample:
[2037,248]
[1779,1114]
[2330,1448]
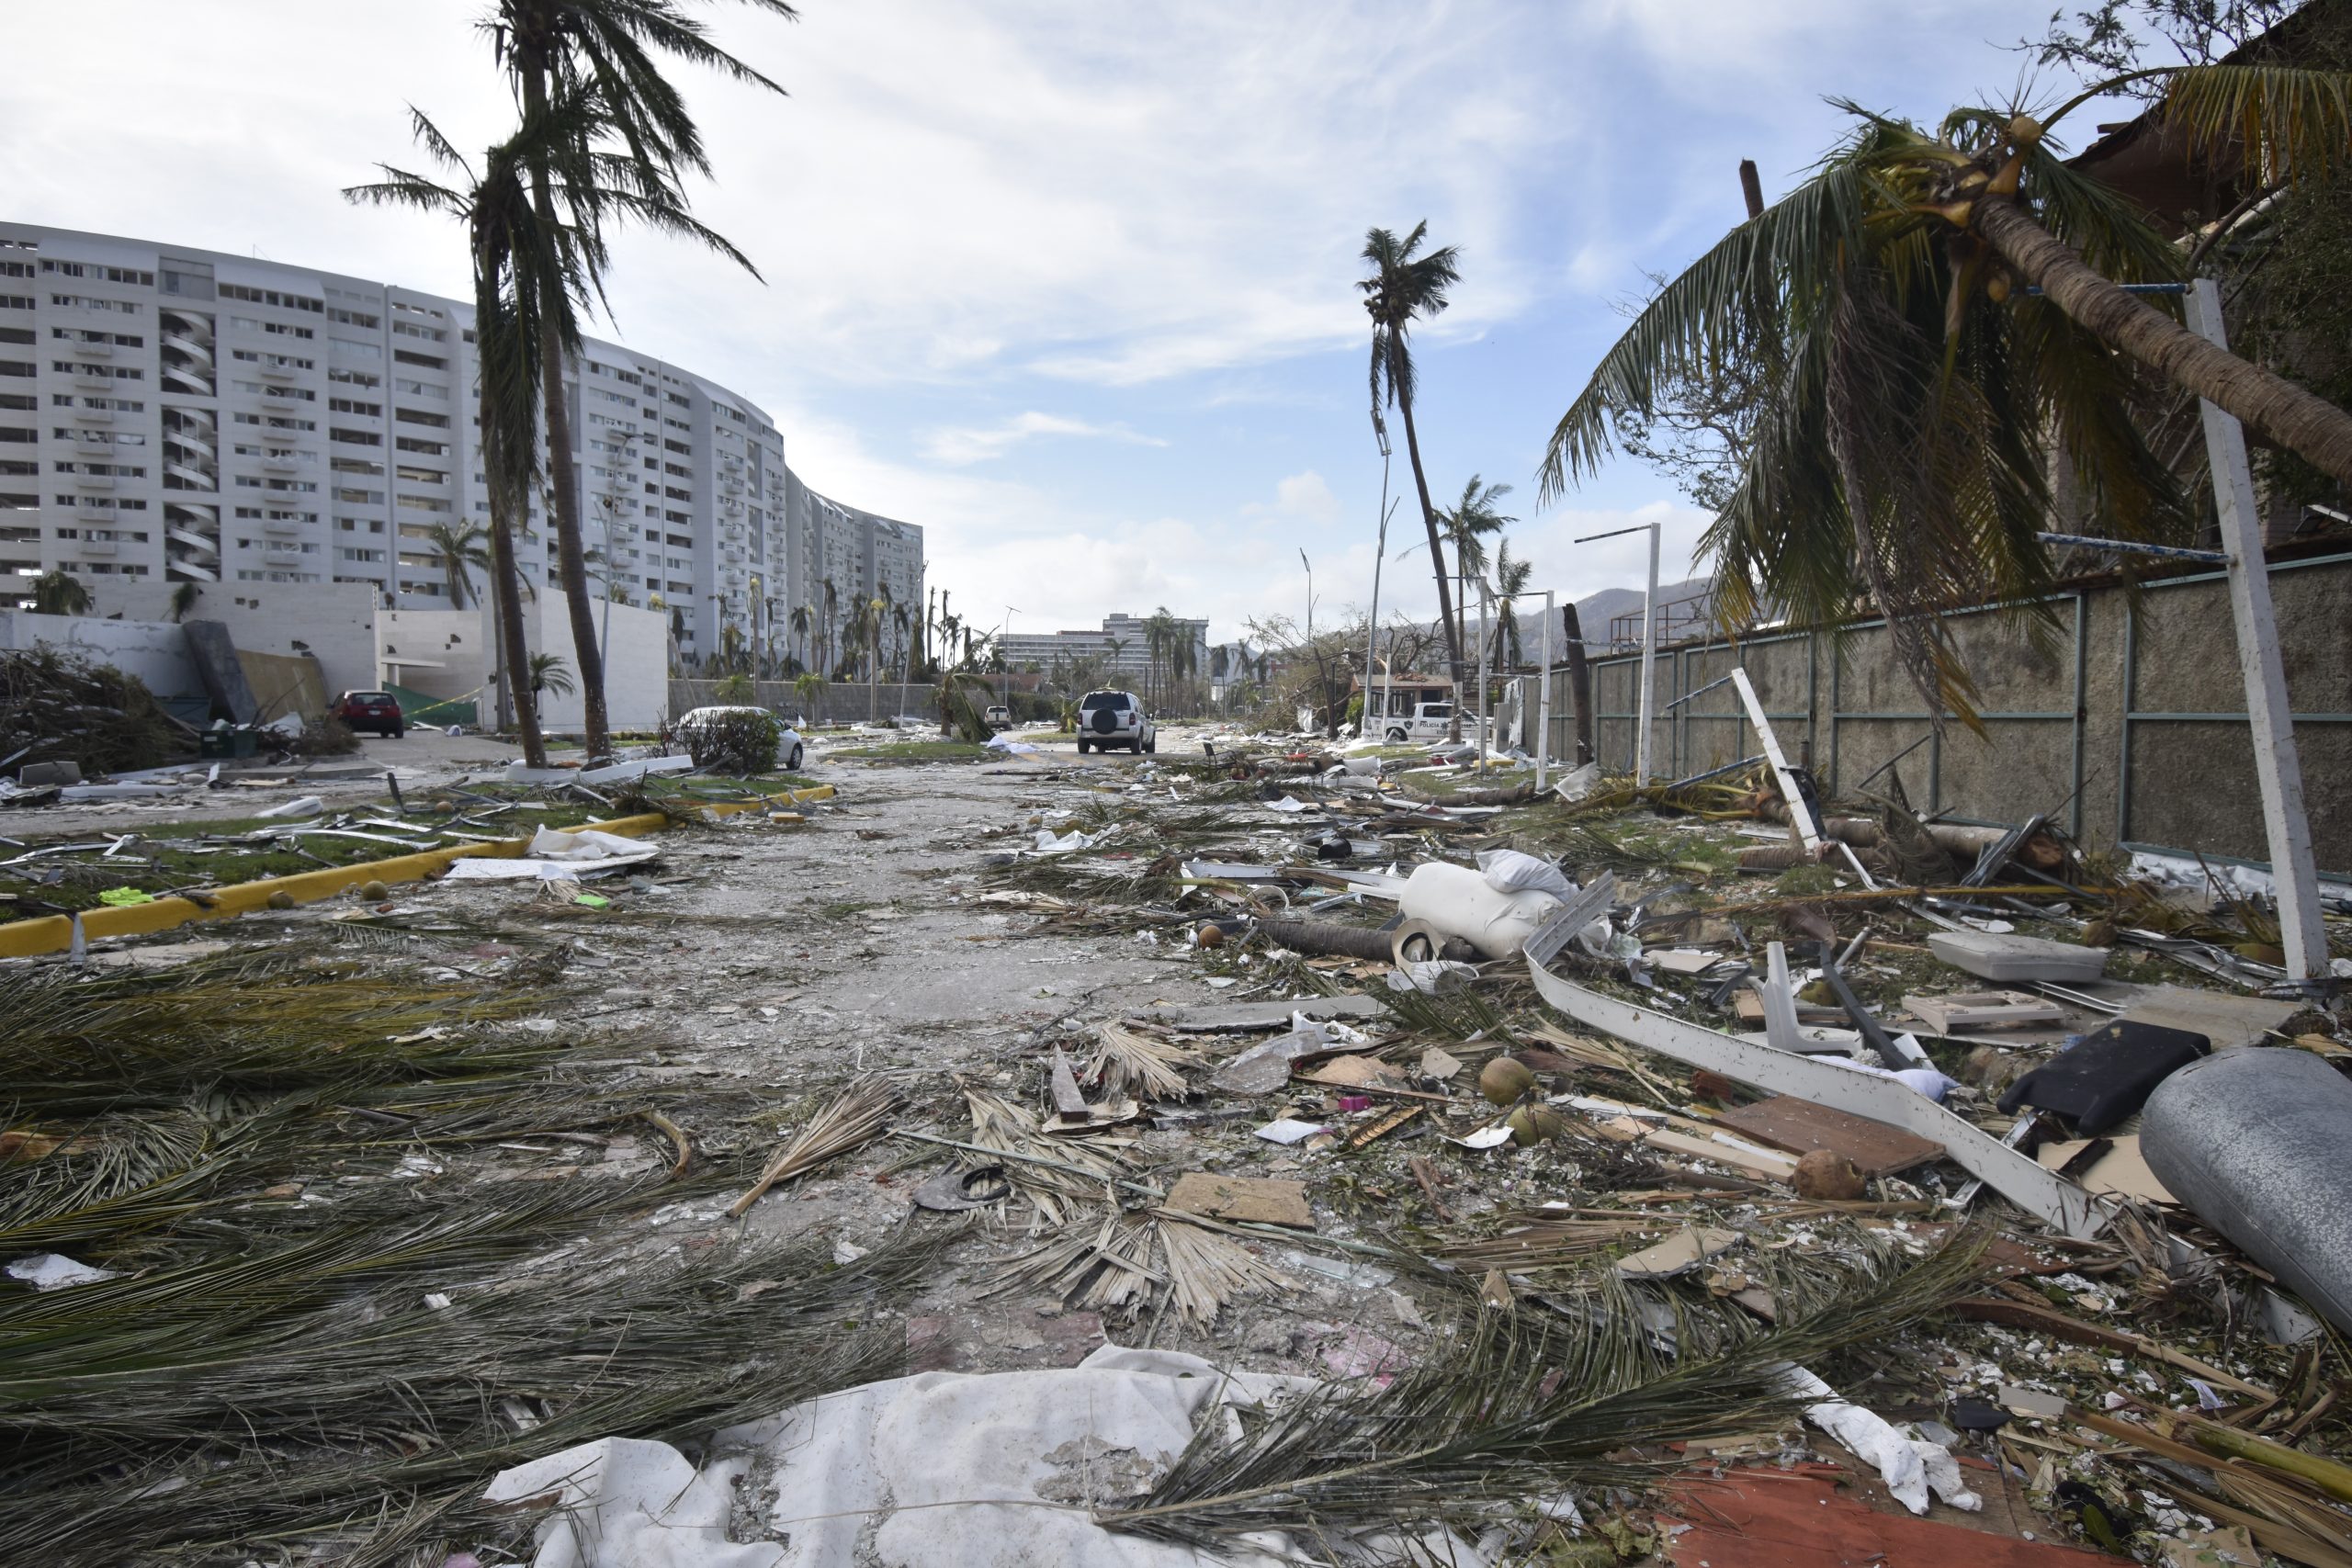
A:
[1932,319]
[604,50]
[518,263]
[1405,286]
[1465,524]
[460,550]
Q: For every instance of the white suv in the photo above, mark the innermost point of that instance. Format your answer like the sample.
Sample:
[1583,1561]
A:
[1115,718]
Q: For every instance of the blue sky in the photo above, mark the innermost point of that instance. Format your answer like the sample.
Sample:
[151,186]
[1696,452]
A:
[1070,284]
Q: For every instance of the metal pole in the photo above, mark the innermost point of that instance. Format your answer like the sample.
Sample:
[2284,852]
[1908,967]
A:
[1543,700]
[1481,714]
[1379,556]
[2293,873]
[1649,665]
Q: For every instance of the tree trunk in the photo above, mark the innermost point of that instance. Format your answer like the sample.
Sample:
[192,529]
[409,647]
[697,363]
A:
[514,649]
[1579,680]
[2311,427]
[587,652]
[1437,563]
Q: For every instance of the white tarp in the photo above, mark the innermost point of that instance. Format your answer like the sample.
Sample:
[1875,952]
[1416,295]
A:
[942,1470]
[556,855]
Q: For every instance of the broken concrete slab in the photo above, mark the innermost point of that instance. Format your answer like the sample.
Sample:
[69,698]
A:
[1677,1254]
[2008,957]
[2224,1019]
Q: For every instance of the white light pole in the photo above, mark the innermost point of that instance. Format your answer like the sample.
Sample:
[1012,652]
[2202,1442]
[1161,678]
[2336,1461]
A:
[1649,649]
[1379,556]
[1005,653]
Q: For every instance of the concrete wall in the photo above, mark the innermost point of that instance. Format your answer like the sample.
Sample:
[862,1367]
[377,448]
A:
[455,643]
[153,652]
[846,701]
[333,621]
[636,664]
[2125,721]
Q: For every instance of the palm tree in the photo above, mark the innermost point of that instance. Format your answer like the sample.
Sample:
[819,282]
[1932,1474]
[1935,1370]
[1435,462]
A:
[1932,319]
[550,673]
[58,591]
[1403,286]
[603,51]
[1118,646]
[461,554]
[517,262]
[798,621]
[1465,524]
[809,686]
[1511,580]
[876,613]
[832,609]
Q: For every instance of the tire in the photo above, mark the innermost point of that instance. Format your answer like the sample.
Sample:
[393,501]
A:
[400,732]
[1396,736]
[793,766]
[1152,745]
[1082,748]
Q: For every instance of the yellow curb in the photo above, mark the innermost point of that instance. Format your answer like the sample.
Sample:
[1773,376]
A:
[54,933]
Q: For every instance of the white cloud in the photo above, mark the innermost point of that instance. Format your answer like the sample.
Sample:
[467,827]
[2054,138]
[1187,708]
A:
[1300,498]
[970,444]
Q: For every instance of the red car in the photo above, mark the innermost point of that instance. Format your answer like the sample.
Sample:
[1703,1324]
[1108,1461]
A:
[371,710]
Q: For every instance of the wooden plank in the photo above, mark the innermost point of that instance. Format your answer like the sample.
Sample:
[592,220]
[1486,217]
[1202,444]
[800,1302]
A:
[1267,1202]
[1070,1105]
[1754,1162]
[1800,1126]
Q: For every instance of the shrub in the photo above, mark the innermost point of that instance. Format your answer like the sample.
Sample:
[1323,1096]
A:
[326,736]
[743,741]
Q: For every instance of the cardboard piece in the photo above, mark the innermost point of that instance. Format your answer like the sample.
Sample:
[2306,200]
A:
[1241,1198]
[1678,1254]
[1754,1161]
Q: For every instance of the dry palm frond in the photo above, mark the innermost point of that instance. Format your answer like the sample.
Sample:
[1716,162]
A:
[1128,1062]
[1537,1241]
[1206,1269]
[414,1407]
[860,1115]
[1512,1408]
[1115,1269]
[1458,1017]
[1109,1270]
[1061,1195]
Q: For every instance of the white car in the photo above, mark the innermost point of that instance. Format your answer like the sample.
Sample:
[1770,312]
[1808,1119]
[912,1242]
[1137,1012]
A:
[1115,718]
[1431,721]
[698,728]
[1000,717]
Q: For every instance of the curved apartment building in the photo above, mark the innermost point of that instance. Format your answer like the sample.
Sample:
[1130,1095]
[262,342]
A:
[177,415]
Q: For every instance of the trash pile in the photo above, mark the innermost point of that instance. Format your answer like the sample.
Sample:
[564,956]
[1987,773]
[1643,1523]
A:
[1620,1177]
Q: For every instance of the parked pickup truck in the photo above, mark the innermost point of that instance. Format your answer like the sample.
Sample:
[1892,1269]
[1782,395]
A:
[1431,721]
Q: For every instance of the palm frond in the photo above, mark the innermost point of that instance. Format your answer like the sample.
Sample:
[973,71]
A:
[1516,1408]
[2288,123]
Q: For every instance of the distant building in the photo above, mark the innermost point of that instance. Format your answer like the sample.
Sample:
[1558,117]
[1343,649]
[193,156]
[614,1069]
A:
[1122,646]
[172,415]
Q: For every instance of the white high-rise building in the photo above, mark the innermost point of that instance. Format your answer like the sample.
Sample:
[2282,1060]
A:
[177,415]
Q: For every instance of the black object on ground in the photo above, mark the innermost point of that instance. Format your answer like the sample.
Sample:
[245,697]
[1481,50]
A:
[2109,1075]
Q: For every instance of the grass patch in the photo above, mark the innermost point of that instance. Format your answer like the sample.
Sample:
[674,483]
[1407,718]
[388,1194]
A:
[174,856]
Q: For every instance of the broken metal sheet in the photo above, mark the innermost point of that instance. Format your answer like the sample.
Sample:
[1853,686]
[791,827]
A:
[1591,902]
[619,773]
[2054,1201]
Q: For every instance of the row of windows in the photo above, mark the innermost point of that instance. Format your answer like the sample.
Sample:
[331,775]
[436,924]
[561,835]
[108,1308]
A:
[267,296]
[91,303]
[132,276]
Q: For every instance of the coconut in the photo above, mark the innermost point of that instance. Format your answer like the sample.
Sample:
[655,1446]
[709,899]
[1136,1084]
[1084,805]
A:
[1504,1079]
[281,900]
[1826,1174]
[1210,935]
[374,892]
[1534,1124]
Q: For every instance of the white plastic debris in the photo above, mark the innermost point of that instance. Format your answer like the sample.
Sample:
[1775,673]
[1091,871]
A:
[942,1470]
[1512,871]
[1911,1467]
[1432,976]
[55,1271]
[301,805]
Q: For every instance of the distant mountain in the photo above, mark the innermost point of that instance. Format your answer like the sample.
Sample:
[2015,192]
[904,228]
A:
[1595,612]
